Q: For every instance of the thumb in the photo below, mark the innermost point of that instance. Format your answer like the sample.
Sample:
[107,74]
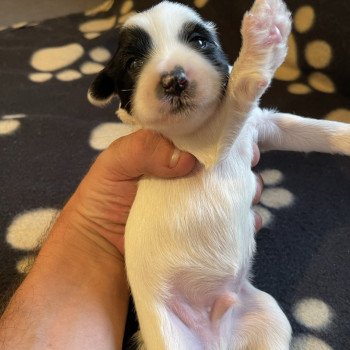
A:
[147,152]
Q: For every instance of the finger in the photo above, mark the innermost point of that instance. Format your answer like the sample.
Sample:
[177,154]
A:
[256,155]
[259,188]
[258,221]
[148,153]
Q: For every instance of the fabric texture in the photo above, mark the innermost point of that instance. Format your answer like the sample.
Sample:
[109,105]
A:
[50,134]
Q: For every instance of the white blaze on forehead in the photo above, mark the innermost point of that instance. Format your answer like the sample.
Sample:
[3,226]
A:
[164,21]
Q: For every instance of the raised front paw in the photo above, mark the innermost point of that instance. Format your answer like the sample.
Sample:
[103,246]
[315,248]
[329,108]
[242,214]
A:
[265,31]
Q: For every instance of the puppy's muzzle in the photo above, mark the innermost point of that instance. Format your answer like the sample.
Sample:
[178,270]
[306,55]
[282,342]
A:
[175,82]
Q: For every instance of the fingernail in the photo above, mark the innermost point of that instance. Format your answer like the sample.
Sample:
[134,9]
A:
[175,158]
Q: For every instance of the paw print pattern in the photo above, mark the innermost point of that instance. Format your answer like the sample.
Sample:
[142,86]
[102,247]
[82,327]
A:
[273,197]
[93,28]
[316,316]
[56,61]
[318,55]
[27,231]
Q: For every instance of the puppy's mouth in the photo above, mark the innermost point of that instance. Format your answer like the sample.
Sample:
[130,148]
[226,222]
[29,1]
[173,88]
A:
[179,104]
[176,92]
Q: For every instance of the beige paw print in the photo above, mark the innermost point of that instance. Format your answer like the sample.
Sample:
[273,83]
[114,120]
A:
[27,232]
[126,10]
[10,123]
[200,3]
[273,197]
[19,25]
[340,115]
[103,7]
[105,133]
[316,316]
[91,29]
[55,62]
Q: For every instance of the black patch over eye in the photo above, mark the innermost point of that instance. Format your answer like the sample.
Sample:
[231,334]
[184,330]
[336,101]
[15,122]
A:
[198,36]
[120,74]
[134,49]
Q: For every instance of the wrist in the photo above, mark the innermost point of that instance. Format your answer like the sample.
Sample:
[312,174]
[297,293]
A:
[77,284]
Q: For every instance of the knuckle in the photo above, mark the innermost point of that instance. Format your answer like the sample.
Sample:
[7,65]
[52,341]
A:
[116,143]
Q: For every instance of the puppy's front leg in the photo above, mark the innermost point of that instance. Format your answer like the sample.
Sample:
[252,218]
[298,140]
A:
[282,131]
[265,30]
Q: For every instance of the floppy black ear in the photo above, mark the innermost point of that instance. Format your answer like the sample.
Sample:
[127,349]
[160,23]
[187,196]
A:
[103,88]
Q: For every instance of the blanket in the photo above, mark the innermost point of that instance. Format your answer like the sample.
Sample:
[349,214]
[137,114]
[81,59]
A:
[50,134]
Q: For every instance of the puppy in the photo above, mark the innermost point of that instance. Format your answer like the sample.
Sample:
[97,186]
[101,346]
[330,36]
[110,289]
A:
[189,242]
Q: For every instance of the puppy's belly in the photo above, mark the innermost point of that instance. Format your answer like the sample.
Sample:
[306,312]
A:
[194,235]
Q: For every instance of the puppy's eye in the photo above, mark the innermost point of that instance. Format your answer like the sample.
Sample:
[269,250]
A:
[199,42]
[133,64]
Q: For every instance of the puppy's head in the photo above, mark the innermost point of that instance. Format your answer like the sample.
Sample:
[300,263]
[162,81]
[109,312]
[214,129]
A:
[169,70]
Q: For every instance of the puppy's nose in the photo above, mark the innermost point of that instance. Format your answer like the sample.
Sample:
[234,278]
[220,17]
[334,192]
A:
[175,82]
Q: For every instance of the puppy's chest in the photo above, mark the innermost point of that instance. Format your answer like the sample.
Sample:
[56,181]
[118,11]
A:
[204,219]
[217,200]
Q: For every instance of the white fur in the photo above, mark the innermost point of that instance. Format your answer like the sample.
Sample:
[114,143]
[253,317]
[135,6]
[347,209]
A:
[190,241]
[98,103]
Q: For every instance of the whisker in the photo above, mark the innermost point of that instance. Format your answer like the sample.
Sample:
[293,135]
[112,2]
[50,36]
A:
[128,103]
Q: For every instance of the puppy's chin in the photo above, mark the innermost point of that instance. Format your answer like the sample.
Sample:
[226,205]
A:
[173,106]
[177,114]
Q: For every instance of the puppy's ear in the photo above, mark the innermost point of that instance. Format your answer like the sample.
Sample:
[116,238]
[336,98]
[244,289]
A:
[103,88]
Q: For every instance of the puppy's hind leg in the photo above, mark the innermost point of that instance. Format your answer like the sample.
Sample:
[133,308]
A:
[162,329]
[282,131]
[260,323]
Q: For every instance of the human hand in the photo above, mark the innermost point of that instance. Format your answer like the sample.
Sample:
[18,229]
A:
[259,187]
[103,200]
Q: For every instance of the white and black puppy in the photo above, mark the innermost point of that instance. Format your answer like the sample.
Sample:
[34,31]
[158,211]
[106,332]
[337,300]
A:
[190,241]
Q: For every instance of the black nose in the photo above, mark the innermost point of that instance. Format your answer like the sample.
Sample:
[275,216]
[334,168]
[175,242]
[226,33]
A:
[175,82]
